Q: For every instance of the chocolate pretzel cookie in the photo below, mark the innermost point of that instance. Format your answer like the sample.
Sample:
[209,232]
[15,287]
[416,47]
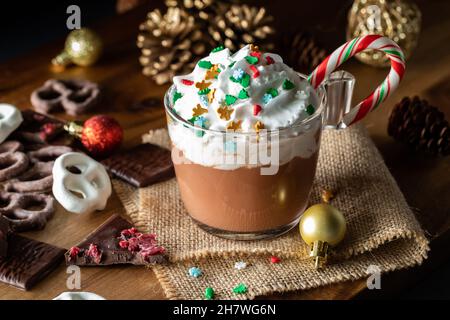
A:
[74,96]
[12,164]
[10,146]
[26,211]
[36,179]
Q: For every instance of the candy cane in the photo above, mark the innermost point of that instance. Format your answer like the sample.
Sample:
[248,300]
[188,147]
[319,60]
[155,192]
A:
[348,50]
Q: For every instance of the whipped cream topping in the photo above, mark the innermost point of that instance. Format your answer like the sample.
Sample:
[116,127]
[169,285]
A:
[245,91]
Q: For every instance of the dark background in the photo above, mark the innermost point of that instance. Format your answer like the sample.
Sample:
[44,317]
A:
[25,25]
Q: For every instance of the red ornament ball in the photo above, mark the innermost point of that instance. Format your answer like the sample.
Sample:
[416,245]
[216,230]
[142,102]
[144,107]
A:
[101,135]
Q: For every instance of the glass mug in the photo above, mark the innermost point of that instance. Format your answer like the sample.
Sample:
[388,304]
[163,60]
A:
[256,185]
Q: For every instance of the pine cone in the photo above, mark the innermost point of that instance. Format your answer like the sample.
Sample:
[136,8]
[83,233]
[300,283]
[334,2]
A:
[301,52]
[237,25]
[420,125]
[203,9]
[170,44]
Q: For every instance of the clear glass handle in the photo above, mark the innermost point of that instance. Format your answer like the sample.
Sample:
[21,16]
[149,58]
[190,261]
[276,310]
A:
[339,90]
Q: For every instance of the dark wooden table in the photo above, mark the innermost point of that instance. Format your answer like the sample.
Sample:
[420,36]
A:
[424,180]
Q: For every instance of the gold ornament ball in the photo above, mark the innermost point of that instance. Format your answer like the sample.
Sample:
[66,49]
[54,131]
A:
[322,226]
[322,222]
[83,47]
[399,20]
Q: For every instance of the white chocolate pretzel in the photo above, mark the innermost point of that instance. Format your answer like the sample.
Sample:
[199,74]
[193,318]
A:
[81,192]
[10,120]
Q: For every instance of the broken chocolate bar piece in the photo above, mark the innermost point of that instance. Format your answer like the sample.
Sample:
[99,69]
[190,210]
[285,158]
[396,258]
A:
[116,242]
[28,261]
[142,165]
[4,229]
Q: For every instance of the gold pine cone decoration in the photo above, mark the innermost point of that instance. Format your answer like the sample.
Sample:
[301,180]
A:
[237,25]
[398,20]
[301,51]
[170,44]
[204,9]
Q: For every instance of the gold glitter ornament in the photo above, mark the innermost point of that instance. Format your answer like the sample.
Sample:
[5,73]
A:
[322,226]
[198,111]
[398,20]
[83,47]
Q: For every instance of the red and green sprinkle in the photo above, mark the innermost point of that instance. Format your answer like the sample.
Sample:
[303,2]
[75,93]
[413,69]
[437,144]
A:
[204,91]
[209,293]
[256,109]
[177,95]
[241,288]
[255,71]
[205,64]
[256,54]
[275,259]
[245,81]
[243,94]
[288,85]
[187,82]
[273,92]
[252,59]
[217,49]
[229,99]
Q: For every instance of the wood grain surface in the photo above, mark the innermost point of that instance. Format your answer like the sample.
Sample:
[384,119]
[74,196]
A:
[424,180]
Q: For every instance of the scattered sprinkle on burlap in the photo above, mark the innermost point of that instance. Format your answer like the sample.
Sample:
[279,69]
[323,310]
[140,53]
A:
[381,229]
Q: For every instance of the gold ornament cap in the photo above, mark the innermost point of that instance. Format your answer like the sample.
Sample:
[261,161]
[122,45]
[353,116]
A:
[74,129]
[322,226]
[83,47]
[319,252]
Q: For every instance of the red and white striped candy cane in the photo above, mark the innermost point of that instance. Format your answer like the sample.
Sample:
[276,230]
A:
[348,50]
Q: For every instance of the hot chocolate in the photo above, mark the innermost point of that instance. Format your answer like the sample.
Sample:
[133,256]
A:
[253,109]
[243,200]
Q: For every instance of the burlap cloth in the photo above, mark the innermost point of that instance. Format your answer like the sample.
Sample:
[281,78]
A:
[381,229]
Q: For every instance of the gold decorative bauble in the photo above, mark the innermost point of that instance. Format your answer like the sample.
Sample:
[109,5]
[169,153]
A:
[322,226]
[398,20]
[83,47]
